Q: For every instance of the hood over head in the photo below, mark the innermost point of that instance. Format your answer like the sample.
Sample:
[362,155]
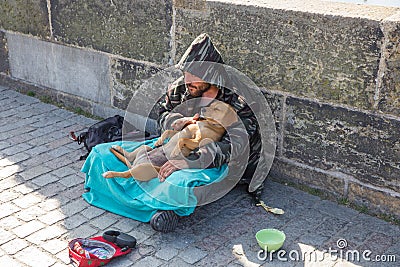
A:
[203,60]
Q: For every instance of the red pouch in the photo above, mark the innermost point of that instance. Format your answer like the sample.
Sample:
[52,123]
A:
[96,251]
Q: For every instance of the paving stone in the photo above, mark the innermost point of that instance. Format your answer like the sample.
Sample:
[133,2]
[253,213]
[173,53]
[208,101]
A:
[178,262]
[58,162]
[82,231]
[181,241]
[30,214]
[45,179]
[32,256]
[120,261]
[8,195]
[39,141]
[53,189]
[27,201]
[8,209]
[58,152]
[74,221]
[63,258]
[104,221]
[46,234]
[14,246]
[5,236]
[16,150]
[44,121]
[59,265]
[140,237]
[192,255]
[54,246]
[331,225]
[28,228]
[134,255]
[356,232]
[146,250]
[148,262]
[62,113]
[25,188]
[36,150]
[52,217]
[9,222]
[145,228]
[9,170]
[8,261]
[12,124]
[10,182]
[166,253]
[4,144]
[72,180]
[64,171]
[24,99]
[247,243]
[34,172]
[6,162]
[335,210]
[22,138]
[295,228]
[222,258]
[60,144]
[314,239]
[378,243]
[49,204]
[74,207]
[126,224]
[92,212]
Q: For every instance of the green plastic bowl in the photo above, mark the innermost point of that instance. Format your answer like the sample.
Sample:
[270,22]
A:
[270,239]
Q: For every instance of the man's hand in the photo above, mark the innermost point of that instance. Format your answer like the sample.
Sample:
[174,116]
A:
[180,123]
[171,166]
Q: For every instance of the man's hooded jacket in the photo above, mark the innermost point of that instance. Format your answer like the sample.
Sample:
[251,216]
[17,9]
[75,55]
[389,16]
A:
[197,61]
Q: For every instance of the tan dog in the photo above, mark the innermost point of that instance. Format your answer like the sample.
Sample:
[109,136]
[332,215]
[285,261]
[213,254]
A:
[217,117]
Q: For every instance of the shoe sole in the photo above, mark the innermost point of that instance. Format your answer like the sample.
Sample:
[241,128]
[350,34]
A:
[164,221]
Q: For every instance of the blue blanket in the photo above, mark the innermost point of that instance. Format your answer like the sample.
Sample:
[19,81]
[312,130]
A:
[140,200]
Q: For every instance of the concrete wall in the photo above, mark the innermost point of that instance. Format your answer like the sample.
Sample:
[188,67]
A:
[331,73]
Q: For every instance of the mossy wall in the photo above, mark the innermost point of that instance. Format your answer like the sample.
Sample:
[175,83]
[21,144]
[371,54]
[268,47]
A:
[138,29]
[25,16]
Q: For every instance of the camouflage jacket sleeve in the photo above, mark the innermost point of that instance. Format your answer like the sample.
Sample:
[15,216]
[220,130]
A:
[166,104]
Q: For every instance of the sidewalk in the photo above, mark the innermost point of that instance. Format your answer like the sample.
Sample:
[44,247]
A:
[42,208]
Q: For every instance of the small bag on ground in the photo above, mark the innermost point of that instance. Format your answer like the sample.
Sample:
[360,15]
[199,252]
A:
[107,130]
[100,250]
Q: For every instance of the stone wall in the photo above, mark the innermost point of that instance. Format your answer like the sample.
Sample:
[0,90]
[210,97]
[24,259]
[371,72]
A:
[330,71]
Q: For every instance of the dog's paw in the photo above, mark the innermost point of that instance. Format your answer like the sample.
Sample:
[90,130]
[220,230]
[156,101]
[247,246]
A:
[159,142]
[107,175]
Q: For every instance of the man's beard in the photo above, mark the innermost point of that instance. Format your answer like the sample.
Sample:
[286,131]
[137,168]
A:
[198,91]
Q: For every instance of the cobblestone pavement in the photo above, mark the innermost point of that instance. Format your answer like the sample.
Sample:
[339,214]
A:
[42,208]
